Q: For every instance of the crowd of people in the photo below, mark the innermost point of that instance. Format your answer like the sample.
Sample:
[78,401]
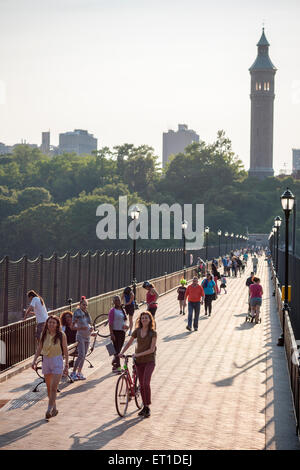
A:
[54,334]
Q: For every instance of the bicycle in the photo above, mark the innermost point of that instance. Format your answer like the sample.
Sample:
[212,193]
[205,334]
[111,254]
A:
[127,388]
[101,325]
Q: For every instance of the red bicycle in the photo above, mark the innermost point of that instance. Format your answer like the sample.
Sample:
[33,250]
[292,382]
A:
[127,388]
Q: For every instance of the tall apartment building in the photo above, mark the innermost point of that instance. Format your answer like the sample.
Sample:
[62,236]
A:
[176,142]
[45,147]
[296,163]
[79,141]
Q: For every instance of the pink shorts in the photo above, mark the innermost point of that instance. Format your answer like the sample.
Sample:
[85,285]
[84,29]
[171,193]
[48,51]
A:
[52,365]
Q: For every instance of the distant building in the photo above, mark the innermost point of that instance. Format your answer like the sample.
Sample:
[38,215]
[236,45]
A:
[5,149]
[79,141]
[45,147]
[258,239]
[176,142]
[296,163]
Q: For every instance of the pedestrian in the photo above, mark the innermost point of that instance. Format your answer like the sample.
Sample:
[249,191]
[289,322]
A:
[256,293]
[81,321]
[144,356]
[229,266]
[210,291]
[52,346]
[181,293]
[66,326]
[223,284]
[254,263]
[151,297]
[117,327]
[37,307]
[234,266]
[194,294]
[249,281]
[224,262]
[239,265]
[216,276]
[129,304]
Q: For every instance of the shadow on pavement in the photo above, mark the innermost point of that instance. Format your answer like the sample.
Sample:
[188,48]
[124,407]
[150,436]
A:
[84,386]
[229,380]
[99,437]
[171,317]
[17,434]
[175,337]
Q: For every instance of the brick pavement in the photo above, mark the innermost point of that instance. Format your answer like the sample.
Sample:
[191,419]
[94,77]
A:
[223,387]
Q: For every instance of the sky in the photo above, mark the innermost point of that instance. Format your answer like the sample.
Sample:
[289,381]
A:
[129,70]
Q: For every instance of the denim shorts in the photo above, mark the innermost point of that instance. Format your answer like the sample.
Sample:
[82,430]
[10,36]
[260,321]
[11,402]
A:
[53,365]
[255,301]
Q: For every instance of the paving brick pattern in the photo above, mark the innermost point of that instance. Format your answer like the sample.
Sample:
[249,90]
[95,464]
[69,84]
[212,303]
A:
[222,387]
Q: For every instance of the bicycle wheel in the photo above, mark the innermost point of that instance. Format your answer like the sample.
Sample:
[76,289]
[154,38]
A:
[122,395]
[101,325]
[138,395]
[39,368]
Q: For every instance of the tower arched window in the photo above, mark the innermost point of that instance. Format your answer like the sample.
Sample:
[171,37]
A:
[268,86]
[259,86]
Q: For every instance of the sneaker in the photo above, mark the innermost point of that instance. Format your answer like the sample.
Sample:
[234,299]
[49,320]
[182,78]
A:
[183,313]
[188,328]
[115,370]
[142,412]
[73,376]
[80,377]
[48,414]
[54,412]
[129,333]
[147,412]
[195,329]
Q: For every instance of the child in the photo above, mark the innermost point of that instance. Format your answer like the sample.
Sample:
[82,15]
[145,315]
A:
[181,293]
[223,284]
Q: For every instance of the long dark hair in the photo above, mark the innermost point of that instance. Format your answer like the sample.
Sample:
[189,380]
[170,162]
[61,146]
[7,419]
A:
[63,317]
[58,334]
[32,293]
[151,326]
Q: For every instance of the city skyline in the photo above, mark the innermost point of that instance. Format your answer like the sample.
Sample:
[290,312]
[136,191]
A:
[127,74]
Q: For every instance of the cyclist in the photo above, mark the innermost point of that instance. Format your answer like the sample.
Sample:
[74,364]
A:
[144,356]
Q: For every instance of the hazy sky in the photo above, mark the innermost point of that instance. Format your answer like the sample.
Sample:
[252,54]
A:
[128,70]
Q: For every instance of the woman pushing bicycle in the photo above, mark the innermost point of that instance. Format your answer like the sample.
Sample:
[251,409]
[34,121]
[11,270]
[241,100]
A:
[145,352]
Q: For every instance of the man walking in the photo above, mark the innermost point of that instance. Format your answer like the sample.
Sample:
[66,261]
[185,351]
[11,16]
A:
[254,263]
[195,295]
[249,282]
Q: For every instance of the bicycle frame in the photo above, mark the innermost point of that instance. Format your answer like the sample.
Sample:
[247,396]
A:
[131,381]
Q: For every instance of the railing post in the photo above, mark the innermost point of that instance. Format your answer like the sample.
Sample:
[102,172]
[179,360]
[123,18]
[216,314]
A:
[97,272]
[41,261]
[105,271]
[54,303]
[24,304]
[89,275]
[6,282]
[79,277]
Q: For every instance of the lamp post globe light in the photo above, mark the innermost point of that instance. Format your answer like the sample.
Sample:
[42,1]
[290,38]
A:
[277,223]
[219,235]
[206,230]
[134,214]
[287,204]
[184,227]
[232,240]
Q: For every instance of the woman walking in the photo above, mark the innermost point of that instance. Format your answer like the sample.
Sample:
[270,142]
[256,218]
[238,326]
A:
[38,308]
[151,297]
[81,321]
[145,352]
[256,293]
[210,292]
[52,346]
[129,304]
[117,326]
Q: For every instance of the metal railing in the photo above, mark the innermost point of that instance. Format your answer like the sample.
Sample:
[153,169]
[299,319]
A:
[291,348]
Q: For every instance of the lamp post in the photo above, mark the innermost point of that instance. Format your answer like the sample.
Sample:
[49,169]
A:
[232,239]
[219,234]
[206,230]
[274,231]
[226,234]
[277,223]
[287,203]
[134,214]
[184,227]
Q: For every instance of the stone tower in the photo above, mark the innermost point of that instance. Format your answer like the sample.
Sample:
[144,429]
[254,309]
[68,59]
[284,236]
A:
[262,105]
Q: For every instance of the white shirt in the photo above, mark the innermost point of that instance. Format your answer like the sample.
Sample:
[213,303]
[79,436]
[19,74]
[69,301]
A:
[39,310]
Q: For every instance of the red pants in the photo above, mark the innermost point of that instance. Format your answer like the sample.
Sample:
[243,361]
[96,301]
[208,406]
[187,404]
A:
[144,372]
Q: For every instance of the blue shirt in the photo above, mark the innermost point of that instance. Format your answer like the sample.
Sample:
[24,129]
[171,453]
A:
[209,289]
